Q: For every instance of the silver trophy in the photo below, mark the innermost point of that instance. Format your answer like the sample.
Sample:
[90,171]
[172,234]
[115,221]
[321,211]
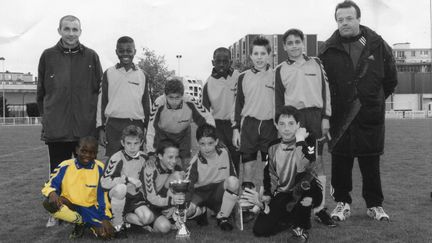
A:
[180,187]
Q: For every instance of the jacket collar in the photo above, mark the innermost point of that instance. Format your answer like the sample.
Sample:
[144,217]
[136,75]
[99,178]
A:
[225,75]
[89,166]
[290,62]
[169,107]
[159,167]
[77,49]
[129,158]
[335,41]
[254,70]
[121,65]
[204,160]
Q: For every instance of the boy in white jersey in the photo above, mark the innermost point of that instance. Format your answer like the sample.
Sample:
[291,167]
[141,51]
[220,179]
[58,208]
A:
[213,180]
[301,82]
[124,98]
[254,112]
[123,178]
[219,97]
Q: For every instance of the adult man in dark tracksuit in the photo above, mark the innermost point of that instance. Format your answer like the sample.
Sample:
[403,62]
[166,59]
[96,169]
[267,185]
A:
[362,74]
[69,75]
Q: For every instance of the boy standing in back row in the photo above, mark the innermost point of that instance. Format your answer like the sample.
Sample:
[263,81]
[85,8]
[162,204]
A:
[254,110]
[124,99]
[301,82]
[220,100]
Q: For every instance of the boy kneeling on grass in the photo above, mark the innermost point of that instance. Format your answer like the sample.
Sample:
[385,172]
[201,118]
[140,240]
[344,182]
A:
[213,180]
[73,193]
[158,174]
[123,179]
[291,187]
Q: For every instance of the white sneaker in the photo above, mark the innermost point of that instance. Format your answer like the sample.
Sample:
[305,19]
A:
[52,222]
[341,212]
[377,213]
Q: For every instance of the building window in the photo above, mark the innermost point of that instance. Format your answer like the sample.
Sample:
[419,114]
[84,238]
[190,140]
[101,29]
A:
[413,53]
[400,54]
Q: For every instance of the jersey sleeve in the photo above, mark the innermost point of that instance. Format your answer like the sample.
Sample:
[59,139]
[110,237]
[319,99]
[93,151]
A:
[152,196]
[279,91]
[103,205]
[325,90]
[55,181]
[192,170]
[146,102]
[153,122]
[206,99]
[112,174]
[270,175]
[102,101]
[200,114]
[239,102]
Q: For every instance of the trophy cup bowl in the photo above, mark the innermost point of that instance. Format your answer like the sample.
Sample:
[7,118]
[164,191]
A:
[180,187]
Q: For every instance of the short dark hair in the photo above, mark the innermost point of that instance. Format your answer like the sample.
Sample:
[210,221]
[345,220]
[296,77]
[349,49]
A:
[69,18]
[222,50]
[125,39]
[132,131]
[164,144]
[261,41]
[294,32]
[288,111]
[206,130]
[348,4]
[174,86]
[89,140]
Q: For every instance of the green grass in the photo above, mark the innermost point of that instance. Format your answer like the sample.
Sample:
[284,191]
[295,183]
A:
[406,172]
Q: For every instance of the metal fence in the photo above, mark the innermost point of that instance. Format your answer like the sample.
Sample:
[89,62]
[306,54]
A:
[408,114]
[20,121]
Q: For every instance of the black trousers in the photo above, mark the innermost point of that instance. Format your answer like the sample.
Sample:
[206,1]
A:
[224,132]
[342,179]
[60,151]
[270,224]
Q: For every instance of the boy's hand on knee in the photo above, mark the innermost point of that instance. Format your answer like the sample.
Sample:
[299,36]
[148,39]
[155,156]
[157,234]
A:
[137,183]
[307,201]
[55,199]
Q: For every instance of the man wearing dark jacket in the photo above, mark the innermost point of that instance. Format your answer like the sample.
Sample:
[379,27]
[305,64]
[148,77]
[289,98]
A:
[69,75]
[362,74]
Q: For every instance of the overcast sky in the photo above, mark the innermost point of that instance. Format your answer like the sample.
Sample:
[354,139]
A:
[192,28]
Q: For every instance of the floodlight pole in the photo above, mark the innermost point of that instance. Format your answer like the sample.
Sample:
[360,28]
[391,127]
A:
[2,59]
[178,63]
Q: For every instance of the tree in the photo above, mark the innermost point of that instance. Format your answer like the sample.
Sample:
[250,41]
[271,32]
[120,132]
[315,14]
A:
[1,107]
[241,66]
[156,71]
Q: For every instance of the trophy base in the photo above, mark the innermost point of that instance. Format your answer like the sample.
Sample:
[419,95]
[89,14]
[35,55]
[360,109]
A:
[183,237]
[183,233]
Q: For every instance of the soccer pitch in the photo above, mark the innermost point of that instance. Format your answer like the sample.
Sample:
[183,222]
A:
[406,174]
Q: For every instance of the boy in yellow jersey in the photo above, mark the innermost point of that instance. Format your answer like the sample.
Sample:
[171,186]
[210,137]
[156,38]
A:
[73,193]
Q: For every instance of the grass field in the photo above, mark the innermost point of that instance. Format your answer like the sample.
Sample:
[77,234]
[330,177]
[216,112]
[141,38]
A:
[406,171]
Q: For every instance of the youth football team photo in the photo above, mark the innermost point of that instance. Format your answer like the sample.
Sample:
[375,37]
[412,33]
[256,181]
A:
[287,139]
